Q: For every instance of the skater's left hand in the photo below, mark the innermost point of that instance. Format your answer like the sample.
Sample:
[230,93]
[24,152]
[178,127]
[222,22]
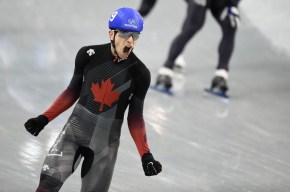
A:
[150,165]
[234,16]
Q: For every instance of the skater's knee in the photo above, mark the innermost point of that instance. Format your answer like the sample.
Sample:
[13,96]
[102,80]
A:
[49,184]
[193,26]
[190,31]
[227,29]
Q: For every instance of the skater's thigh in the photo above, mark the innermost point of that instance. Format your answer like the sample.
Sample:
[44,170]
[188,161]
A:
[99,176]
[217,8]
[196,12]
[62,158]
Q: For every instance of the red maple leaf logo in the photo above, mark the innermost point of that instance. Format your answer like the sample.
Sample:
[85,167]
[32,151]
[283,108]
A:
[104,94]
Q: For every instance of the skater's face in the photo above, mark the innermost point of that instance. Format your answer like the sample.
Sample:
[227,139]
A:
[125,41]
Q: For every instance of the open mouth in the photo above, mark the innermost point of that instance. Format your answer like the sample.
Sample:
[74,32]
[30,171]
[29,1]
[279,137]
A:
[127,49]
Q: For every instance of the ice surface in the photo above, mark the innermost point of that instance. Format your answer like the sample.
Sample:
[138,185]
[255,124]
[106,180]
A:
[204,144]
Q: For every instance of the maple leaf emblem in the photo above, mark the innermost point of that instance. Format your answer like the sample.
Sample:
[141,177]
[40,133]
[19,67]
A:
[105,94]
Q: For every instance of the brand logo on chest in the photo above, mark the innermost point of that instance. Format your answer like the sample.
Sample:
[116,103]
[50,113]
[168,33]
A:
[91,52]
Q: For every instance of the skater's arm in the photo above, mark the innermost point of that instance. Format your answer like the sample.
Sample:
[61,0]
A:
[66,99]
[135,115]
[137,126]
[71,94]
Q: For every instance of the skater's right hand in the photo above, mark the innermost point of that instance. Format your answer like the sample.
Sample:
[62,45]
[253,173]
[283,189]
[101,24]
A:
[35,125]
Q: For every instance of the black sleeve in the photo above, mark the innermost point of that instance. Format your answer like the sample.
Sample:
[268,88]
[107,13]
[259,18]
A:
[82,58]
[135,118]
[71,94]
[142,83]
[141,88]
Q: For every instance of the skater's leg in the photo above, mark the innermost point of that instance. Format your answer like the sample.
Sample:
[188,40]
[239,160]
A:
[226,45]
[193,23]
[225,48]
[97,169]
[146,7]
[60,162]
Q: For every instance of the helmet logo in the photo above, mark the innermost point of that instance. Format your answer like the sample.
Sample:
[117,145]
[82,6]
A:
[113,16]
[131,23]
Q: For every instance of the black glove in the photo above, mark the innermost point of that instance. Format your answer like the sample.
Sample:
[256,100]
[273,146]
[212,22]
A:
[150,166]
[35,125]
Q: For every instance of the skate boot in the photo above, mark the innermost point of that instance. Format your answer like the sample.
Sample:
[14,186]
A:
[164,80]
[219,83]
[179,64]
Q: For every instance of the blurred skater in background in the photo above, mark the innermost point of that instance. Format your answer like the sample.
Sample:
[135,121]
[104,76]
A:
[226,13]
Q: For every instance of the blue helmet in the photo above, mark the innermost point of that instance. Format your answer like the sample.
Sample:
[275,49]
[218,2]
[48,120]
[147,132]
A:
[126,19]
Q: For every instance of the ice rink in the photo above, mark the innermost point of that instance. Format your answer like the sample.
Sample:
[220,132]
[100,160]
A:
[205,144]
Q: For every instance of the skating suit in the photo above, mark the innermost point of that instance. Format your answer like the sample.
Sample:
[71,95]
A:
[105,89]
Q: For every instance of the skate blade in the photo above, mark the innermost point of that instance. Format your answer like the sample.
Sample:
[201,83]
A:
[217,93]
[161,89]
